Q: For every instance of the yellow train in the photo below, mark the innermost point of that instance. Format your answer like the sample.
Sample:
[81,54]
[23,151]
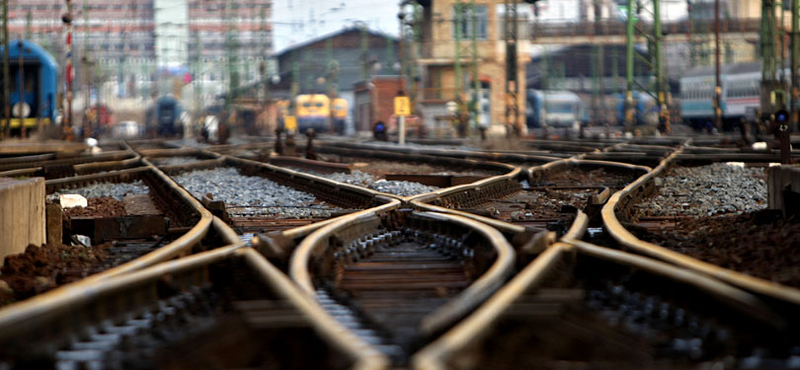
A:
[315,111]
[339,110]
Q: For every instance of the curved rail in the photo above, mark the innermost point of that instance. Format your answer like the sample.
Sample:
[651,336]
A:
[637,189]
[180,246]
[92,304]
[530,156]
[317,244]
[475,328]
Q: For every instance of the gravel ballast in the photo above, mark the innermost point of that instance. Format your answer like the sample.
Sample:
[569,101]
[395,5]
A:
[173,161]
[707,191]
[400,188]
[252,195]
[112,190]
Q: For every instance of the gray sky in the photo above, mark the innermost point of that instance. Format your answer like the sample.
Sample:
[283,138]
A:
[296,21]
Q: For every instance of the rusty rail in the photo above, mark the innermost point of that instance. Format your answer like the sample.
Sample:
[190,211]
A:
[67,315]
[465,338]
[311,261]
[618,207]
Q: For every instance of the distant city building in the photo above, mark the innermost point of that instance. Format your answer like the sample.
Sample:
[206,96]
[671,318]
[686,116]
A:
[114,39]
[223,29]
[130,46]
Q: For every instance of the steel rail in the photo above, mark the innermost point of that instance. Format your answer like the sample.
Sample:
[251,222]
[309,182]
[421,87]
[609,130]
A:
[80,159]
[59,312]
[281,244]
[474,328]
[530,156]
[316,244]
[624,197]
[180,246]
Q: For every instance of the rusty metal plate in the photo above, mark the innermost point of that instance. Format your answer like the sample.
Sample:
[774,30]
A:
[103,229]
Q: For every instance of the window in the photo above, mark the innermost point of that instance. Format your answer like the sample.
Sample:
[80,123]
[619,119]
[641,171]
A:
[465,19]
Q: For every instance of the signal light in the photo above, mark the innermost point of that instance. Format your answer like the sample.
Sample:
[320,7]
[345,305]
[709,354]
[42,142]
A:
[782,116]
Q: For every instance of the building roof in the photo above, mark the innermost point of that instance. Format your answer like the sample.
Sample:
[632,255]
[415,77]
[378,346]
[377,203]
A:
[332,35]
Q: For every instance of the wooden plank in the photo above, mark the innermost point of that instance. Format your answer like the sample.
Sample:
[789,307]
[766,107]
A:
[22,215]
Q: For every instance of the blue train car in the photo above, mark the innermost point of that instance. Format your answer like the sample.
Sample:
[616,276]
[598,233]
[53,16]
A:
[554,108]
[741,92]
[37,85]
[163,118]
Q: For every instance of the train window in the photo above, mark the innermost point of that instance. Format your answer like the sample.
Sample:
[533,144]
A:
[319,104]
[306,105]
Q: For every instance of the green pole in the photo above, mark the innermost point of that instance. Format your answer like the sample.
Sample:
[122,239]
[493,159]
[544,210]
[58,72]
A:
[615,69]
[390,60]
[767,49]
[265,73]
[595,84]
[364,51]
[475,77]
[457,63]
[328,67]
[6,73]
[28,25]
[629,62]
[661,86]
[795,63]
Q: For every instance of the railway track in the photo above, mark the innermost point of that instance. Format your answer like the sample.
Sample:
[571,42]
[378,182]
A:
[399,278]
[433,287]
[52,166]
[161,223]
[583,306]
[548,197]
[227,307]
[400,174]
[619,217]
[529,158]
[292,198]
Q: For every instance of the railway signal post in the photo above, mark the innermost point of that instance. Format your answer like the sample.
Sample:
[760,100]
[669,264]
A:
[66,124]
[402,108]
[782,122]
[6,73]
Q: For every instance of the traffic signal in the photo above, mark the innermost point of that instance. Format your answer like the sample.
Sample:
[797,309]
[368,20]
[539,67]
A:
[782,116]
[782,120]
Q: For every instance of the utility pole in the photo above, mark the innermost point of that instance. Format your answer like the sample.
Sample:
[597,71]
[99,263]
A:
[21,84]
[66,125]
[662,87]
[414,55]
[197,81]
[364,51]
[6,73]
[629,63]
[512,82]
[600,65]
[86,78]
[28,26]
[795,64]
[264,67]
[717,78]
[459,26]
[476,81]
[401,119]
[328,68]
[233,73]
[771,87]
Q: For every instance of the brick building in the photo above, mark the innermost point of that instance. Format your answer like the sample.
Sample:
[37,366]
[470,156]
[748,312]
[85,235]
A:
[437,60]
